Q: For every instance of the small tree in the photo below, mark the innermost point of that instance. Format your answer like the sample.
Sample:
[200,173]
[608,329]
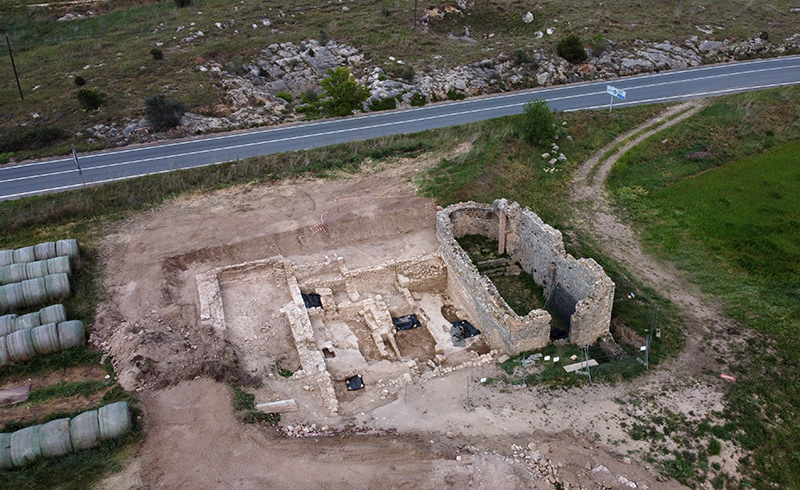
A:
[89,99]
[344,94]
[163,114]
[538,123]
[571,49]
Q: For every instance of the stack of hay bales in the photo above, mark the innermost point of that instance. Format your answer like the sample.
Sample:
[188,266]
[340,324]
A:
[31,276]
[63,436]
[39,333]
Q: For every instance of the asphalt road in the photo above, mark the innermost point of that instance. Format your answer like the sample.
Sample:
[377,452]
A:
[60,174]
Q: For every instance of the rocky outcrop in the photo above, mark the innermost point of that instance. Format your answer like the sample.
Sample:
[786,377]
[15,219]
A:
[251,89]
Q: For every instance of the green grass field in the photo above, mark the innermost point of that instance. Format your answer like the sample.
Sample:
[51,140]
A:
[733,222]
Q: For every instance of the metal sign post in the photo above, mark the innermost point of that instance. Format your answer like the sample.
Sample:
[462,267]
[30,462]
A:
[77,164]
[614,92]
[646,347]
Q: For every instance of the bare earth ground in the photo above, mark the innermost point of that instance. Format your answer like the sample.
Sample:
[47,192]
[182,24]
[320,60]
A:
[422,436]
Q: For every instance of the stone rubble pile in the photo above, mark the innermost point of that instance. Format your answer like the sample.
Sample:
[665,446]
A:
[580,474]
[311,430]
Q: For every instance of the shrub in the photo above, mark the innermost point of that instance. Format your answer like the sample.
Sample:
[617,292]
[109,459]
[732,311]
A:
[344,94]
[598,44]
[324,38]
[571,49]
[182,3]
[452,94]
[243,400]
[520,56]
[714,447]
[163,114]
[408,73]
[157,54]
[79,81]
[383,104]
[382,77]
[287,96]
[309,96]
[21,138]
[764,35]
[417,100]
[90,99]
[538,123]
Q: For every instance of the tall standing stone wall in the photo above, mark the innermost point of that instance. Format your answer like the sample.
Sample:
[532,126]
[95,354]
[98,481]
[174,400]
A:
[539,249]
[477,294]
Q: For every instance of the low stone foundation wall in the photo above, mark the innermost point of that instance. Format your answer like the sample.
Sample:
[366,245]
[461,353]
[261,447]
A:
[580,283]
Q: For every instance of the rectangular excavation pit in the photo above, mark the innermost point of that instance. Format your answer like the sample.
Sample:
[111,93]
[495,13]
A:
[262,308]
[260,334]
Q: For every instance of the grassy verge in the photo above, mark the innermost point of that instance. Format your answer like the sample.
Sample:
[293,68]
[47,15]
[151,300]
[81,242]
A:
[65,390]
[501,164]
[719,198]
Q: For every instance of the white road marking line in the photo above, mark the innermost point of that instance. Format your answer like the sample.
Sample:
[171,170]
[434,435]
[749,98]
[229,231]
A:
[637,102]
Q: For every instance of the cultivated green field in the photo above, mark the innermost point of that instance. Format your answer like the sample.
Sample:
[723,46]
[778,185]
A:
[733,222]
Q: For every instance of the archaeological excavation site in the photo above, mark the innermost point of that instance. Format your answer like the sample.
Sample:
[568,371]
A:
[341,326]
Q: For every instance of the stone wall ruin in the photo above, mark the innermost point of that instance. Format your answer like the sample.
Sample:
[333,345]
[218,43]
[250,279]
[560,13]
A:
[578,289]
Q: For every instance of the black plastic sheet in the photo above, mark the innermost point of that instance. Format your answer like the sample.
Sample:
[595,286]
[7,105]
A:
[406,322]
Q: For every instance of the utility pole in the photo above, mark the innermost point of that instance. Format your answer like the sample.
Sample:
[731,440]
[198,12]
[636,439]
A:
[14,67]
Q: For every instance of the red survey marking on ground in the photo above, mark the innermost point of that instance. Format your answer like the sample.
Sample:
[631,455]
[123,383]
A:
[727,376]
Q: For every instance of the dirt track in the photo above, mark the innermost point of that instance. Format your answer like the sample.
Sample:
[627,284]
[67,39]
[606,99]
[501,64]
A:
[424,438]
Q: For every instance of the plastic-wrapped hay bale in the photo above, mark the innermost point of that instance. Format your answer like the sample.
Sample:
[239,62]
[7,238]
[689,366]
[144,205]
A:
[7,324]
[28,321]
[68,247]
[71,334]
[6,257]
[34,291]
[14,296]
[24,254]
[45,339]
[57,286]
[17,272]
[57,265]
[5,452]
[25,446]
[54,439]
[5,274]
[36,269]
[3,352]
[114,420]
[53,314]
[3,300]
[44,251]
[84,430]
[19,346]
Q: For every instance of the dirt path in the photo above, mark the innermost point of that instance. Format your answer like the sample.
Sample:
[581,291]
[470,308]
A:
[702,316]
